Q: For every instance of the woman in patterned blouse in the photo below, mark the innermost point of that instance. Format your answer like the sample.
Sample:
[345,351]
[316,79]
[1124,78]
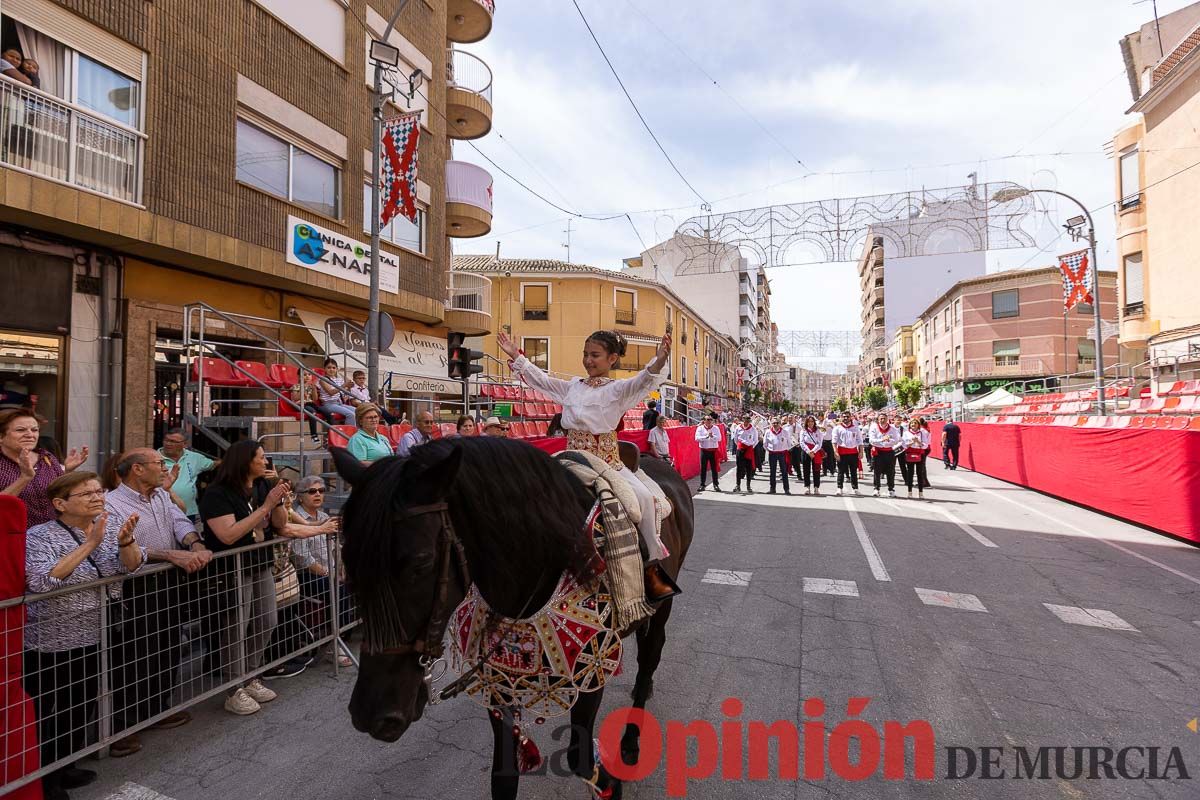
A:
[62,633]
[27,470]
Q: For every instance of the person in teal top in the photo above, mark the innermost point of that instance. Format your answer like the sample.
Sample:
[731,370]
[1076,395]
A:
[368,444]
[174,451]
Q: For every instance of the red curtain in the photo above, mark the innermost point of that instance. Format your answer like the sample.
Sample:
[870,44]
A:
[20,756]
[684,450]
[1151,477]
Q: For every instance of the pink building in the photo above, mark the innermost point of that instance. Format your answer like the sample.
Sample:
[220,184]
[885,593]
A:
[1009,327]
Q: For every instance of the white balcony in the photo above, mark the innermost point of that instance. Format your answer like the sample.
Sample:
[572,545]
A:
[469,20]
[1005,366]
[469,304]
[468,95]
[64,142]
[468,200]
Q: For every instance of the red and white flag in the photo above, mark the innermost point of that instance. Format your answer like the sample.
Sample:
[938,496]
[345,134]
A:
[1077,278]
[398,168]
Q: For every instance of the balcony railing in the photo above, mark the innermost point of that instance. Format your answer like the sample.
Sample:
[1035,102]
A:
[64,142]
[468,72]
[626,317]
[1006,365]
[469,292]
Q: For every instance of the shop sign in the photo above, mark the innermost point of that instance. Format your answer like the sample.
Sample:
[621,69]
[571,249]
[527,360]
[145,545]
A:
[329,252]
[403,352]
[413,383]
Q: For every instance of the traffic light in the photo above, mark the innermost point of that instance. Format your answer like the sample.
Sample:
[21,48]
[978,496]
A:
[460,360]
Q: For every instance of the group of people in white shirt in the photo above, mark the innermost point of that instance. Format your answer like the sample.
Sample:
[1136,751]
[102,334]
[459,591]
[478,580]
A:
[812,448]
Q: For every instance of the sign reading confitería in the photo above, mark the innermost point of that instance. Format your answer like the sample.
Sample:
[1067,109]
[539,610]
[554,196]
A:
[313,247]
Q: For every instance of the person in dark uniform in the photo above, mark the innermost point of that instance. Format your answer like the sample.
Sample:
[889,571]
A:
[951,438]
[650,416]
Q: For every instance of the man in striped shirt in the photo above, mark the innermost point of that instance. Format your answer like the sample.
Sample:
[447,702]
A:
[148,655]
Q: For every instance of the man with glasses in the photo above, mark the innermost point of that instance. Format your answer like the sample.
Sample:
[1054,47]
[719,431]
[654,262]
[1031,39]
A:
[422,434]
[148,640]
[175,452]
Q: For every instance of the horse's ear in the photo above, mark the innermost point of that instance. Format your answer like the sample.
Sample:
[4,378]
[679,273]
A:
[349,467]
[434,482]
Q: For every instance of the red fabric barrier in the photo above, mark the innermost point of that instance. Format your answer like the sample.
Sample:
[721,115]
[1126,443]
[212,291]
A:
[1151,477]
[20,754]
[685,453]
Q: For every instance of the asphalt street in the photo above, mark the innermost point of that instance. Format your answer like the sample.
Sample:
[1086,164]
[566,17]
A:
[1002,617]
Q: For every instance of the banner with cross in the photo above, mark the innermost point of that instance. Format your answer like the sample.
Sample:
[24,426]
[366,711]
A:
[1077,279]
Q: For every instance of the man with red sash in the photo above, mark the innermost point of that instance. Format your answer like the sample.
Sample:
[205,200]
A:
[885,439]
[746,439]
[778,443]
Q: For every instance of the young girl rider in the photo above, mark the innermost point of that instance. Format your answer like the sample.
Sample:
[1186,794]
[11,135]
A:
[592,409]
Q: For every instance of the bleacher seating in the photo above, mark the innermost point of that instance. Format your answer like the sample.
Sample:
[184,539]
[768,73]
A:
[218,372]
[339,435]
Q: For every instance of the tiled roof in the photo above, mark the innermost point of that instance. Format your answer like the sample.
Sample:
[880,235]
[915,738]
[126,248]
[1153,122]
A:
[1172,59]
[490,265]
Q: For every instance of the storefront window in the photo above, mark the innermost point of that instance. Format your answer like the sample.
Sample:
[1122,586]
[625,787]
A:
[30,375]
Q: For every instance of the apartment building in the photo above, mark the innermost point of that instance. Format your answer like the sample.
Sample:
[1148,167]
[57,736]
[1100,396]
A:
[1009,328]
[551,307]
[172,155]
[1156,195]
[715,279]
[901,355]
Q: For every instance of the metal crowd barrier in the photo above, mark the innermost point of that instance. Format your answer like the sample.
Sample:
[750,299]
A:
[105,659]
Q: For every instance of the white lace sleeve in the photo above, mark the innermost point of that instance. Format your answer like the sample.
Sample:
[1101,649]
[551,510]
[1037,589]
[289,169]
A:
[535,377]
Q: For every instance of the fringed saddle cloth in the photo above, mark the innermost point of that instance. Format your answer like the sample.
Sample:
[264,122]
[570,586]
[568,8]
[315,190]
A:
[540,664]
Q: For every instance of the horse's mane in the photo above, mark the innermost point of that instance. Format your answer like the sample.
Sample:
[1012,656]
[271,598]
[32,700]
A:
[517,511]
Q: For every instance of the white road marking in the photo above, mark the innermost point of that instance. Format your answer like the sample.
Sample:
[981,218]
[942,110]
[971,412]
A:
[877,569]
[906,508]
[1093,617]
[1083,532]
[965,602]
[134,791]
[727,577]
[831,586]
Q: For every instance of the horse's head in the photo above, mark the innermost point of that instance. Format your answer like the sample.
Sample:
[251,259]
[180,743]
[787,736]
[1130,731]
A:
[403,562]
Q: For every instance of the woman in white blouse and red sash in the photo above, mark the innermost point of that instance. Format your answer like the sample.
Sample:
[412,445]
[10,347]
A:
[592,409]
[916,449]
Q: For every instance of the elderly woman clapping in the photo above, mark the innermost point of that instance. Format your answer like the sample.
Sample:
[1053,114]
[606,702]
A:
[62,633]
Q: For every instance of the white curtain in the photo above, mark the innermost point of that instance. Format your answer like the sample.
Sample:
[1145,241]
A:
[49,56]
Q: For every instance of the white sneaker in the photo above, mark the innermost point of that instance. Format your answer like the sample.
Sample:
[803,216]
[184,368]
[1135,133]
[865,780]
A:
[241,703]
[891,492]
[259,692]
[839,492]
[920,495]
[807,492]
[876,493]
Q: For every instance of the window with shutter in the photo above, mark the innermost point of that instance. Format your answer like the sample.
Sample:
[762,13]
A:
[626,307]
[535,301]
[1134,284]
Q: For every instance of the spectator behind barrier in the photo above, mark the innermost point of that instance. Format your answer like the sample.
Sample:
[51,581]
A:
[332,395]
[368,444]
[419,435]
[466,426]
[176,453]
[494,427]
[312,555]
[62,634]
[148,641]
[238,509]
[27,471]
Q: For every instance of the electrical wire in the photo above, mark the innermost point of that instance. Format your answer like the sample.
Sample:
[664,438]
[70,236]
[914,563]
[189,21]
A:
[724,91]
[637,110]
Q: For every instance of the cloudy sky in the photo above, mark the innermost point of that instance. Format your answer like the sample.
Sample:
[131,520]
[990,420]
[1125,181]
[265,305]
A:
[872,96]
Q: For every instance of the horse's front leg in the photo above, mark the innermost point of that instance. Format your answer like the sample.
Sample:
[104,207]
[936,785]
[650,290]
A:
[580,756]
[505,775]
[650,641]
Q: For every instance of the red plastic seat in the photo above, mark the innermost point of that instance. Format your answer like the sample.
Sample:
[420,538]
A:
[217,372]
[398,430]
[1194,424]
[339,435]
[1191,387]
[448,429]
[542,427]
[285,375]
[259,372]
[486,389]
[1174,389]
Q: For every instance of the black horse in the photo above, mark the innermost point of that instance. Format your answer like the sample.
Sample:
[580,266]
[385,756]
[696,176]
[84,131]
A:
[519,516]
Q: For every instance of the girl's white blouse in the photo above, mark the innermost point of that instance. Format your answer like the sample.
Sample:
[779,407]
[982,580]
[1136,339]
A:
[594,409]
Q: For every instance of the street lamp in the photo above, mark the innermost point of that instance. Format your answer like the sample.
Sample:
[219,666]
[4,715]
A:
[384,55]
[1075,227]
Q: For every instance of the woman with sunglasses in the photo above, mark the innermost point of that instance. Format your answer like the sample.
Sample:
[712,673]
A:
[62,634]
[312,554]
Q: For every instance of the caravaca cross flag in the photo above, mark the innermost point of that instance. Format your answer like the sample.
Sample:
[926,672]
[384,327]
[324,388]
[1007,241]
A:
[398,171]
[1077,278]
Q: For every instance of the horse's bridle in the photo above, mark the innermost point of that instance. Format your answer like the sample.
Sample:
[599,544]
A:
[429,646]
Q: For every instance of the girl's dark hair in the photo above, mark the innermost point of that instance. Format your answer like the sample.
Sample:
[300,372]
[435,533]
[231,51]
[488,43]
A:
[327,362]
[235,466]
[814,422]
[611,341]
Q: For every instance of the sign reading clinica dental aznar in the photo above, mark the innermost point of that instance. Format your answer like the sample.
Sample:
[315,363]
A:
[313,247]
